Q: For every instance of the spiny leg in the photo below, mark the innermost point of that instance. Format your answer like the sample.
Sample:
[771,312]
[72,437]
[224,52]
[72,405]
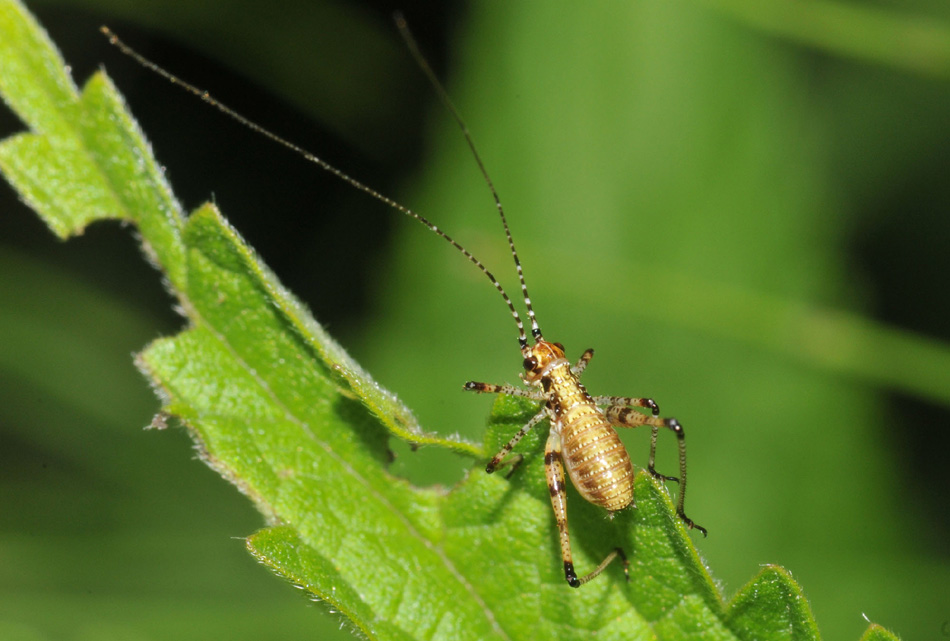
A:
[554,471]
[620,415]
[507,390]
[671,423]
[582,362]
[625,401]
[498,460]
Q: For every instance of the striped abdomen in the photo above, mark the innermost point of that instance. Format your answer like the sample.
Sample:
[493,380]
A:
[590,448]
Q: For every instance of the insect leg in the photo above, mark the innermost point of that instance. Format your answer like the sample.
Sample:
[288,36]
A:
[507,390]
[623,401]
[498,460]
[620,415]
[582,362]
[554,471]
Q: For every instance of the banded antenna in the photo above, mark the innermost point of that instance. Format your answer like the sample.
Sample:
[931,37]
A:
[421,61]
[444,96]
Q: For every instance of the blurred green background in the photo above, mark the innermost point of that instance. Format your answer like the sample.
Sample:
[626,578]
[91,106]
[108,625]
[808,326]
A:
[741,205]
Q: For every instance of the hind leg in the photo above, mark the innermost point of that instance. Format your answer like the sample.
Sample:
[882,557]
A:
[620,414]
[554,471]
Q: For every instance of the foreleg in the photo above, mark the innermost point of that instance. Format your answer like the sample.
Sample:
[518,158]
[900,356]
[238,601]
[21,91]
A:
[498,460]
[507,390]
[582,362]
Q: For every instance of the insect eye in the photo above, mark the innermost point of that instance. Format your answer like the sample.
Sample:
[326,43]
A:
[530,363]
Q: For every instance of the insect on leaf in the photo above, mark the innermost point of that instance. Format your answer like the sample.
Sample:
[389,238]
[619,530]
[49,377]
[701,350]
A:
[281,411]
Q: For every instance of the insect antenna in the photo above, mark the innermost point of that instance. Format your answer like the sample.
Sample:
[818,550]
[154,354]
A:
[253,126]
[444,96]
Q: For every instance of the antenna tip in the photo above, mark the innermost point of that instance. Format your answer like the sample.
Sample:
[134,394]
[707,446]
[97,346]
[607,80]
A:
[399,19]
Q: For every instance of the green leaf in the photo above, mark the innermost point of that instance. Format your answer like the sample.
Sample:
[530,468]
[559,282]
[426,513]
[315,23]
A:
[269,417]
[877,633]
[773,605]
[279,409]
[85,158]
